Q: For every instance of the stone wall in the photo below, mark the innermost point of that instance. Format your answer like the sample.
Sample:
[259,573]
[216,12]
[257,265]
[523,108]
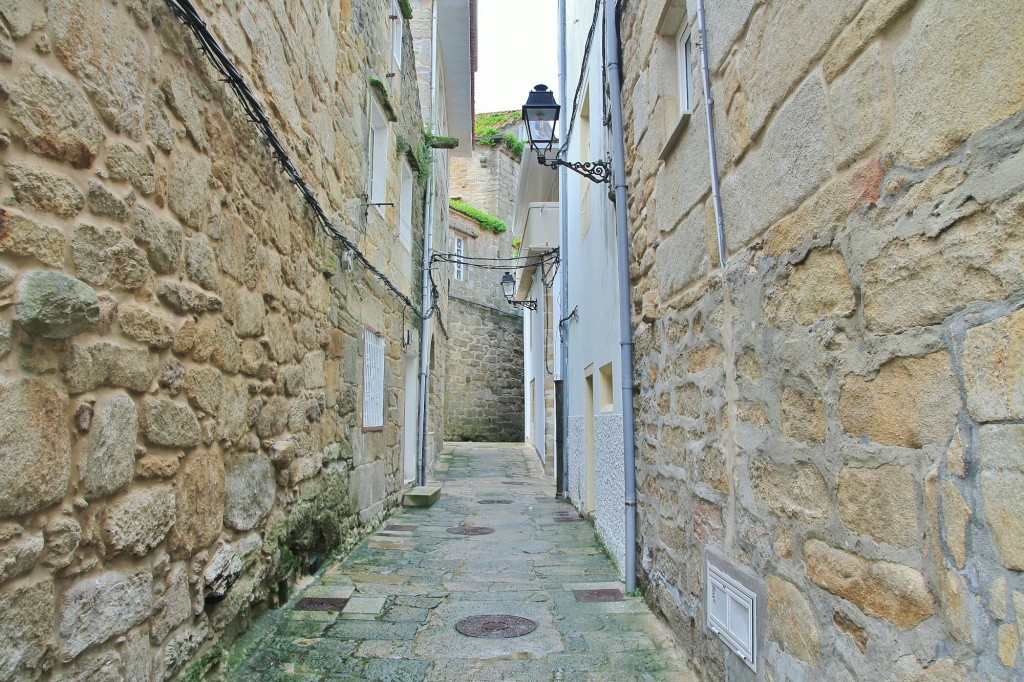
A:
[180,353]
[487,179]
[838,414]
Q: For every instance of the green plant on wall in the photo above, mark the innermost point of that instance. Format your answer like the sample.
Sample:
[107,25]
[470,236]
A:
[494,121]
[405,8]
[486,220]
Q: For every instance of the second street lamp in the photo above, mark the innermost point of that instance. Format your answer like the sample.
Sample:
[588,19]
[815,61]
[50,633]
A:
[541,114]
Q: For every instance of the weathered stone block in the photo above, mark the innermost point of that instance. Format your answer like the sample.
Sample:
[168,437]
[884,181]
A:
[184,299]
[249,490]
[861,113]
[881,503]
[803,417]
[955,515]
[993,359]
[1006,636]
[156,467]
[216,342]
[21,236]
[246,311]
[875,16]
[62,538]
[146,326]
[187,184]
[200,503]
[989,69]
[161,238]
[55,306]
[167,422]
[56,118]
[791,621]
[98,607]
[27,640]
[108,462]
[798,490]
[97,666]
[6,337]
[682,256]
[127,164]
[1001,456]
[173,607]
[104,364]
[103,257]
[201,264]
[819,287]
[44,190]
[35,446]
[102,202]
[19,555]
[139,520]
[204,387]
[911,403]
[880,589]
[21,17]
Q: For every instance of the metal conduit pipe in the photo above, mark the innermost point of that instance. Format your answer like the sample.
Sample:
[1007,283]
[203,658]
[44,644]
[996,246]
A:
[625,301]
[563,327]
[709,111]
[428,239]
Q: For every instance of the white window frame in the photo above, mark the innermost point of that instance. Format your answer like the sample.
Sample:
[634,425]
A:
[396,37]
[405,207]
[460,251]
[378,155]
[684,75]
[373,380]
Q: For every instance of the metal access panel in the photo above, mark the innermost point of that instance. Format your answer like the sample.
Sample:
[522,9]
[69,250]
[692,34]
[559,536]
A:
[731,608]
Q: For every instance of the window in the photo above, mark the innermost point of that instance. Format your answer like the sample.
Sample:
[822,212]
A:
[460,251]
[396,36]
[684,53]
[405,208]
[378,154]
[373,380]
[607,397]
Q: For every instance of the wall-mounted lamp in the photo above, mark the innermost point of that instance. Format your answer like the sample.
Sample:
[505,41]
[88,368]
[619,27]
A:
[541,114]
[508,287]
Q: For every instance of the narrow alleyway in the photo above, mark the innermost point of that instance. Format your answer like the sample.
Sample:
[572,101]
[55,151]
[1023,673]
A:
[409,584]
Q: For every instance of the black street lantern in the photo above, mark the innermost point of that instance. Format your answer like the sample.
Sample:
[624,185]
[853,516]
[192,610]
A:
[508,287]
[541,114]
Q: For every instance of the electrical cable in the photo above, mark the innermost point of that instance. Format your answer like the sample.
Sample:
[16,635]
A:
[210,47]
[583,75]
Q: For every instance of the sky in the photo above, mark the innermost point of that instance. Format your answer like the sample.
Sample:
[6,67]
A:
[517,45]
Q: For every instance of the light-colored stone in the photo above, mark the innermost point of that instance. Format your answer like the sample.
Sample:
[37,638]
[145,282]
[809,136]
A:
[22,236]
[157,467]
[139,520]
[817,288]
[873,17]
[201,264]
[245,310]
[146,326]
[174,606]
[161,238]
[993,361]
[791,621]
[6,337]
[103,257]
[861,112]
[199,488]
[997,598]
[170,423]
[1001,454]
[956,455]
[1008,643]
[184,299]
[911,403]
[62,538]
[249,490]
[803,417]
[957,605]
[881,503]
[108,462]
[881,589]
[182,646]
[35,446]
[55,117]
[204,387]
[187,188]
[27,639]
[101,606]
[221,573]
[7,276]
[988,69]
[19,555]
[44,190]
[796,490]
[55,306]
[127,164]
[955,517]
[21,17]
[102,202]
[90,366]
[97,666]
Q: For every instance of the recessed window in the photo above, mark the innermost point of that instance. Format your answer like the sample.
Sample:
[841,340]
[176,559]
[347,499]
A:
[684,53]
[460,251]
[378,154]
[405,207]
[396,37]
[373,380]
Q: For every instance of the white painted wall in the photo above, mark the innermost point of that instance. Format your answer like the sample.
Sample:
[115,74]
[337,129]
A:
[534,366]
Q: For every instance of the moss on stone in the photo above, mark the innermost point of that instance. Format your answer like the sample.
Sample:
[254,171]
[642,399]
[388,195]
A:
[486,220]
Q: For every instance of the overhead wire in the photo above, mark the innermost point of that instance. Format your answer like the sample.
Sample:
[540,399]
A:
[583,74]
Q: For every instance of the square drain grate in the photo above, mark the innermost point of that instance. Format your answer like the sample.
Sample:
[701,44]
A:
[586,596]
[399,527]
[320,604]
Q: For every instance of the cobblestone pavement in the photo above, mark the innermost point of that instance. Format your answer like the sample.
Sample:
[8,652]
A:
[412,581]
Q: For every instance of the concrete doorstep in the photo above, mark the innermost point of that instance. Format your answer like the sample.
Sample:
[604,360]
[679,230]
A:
[422,496]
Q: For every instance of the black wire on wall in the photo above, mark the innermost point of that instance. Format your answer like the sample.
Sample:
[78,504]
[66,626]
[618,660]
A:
[208,45]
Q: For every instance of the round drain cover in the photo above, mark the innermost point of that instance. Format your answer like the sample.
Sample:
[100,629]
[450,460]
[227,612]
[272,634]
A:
[495,627]
[470,530]
[495,502]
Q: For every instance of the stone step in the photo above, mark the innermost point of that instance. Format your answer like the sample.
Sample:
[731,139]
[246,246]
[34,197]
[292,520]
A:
[422,496]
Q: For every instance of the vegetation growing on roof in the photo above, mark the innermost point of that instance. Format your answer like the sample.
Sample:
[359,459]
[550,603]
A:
[383,98]
[486,220]
[405,8]
[482,123]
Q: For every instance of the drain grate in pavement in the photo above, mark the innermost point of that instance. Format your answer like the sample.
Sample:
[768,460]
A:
[513,483]
[470,530]
[320,604]
[397,526]
[495,626]
[494,502]
[586,596]
[567,519]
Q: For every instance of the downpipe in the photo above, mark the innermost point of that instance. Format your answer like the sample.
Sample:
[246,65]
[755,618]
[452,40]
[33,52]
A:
[625,304]
[562,486]
[709,112]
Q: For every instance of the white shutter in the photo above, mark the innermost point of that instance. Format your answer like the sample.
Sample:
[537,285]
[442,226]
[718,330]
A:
[373,380]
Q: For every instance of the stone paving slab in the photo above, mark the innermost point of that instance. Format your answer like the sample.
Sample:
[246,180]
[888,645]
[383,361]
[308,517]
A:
[408,588]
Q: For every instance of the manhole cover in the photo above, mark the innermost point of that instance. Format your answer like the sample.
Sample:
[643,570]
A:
[495,502]
[514,483]
[585,596]
[495,627]
[470,530]
[395,526]
[320,604]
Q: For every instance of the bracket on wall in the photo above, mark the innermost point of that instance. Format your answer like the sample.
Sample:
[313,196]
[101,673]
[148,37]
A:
[595,171]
